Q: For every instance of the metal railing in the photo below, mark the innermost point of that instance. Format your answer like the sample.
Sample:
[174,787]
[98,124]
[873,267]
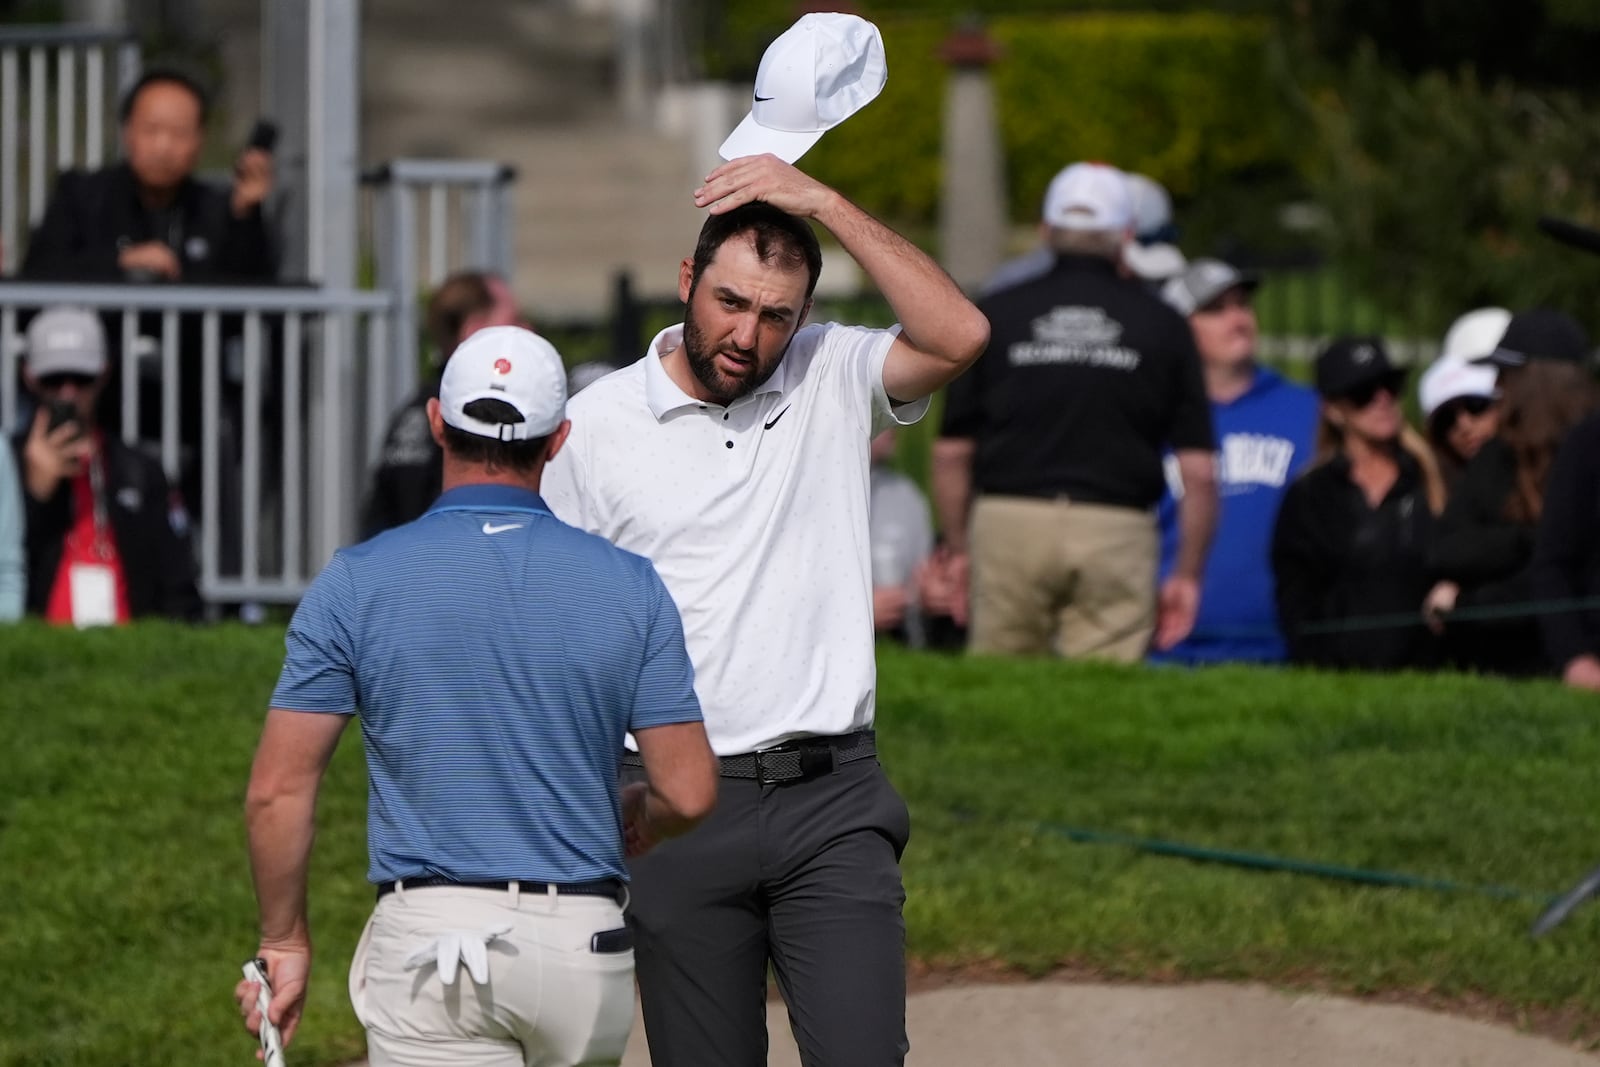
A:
[66,104]
[426,219]
[293,396]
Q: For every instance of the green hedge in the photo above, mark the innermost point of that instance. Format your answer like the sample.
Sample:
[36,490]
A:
[1187,99]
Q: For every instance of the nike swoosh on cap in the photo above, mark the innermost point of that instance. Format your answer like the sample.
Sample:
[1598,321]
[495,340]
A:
[776,417]
[491,528]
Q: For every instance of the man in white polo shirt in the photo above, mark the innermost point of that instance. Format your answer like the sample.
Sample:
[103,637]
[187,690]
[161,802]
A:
[734,456]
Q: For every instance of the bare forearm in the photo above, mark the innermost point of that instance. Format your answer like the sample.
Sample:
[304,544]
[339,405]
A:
[1197,522]
[952,488]
[282,829]
[935,316]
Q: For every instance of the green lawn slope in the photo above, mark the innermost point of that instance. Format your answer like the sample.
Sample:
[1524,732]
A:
[129,908]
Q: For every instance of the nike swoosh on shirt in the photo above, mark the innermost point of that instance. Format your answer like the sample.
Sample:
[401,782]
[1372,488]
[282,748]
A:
[764,99]
[491,528]
[776,417]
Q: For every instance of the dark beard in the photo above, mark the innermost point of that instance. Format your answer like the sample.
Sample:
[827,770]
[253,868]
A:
[702,364]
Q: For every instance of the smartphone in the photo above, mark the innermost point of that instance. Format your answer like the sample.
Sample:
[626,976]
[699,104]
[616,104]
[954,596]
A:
[263,135]
[63,412]
[271,1041]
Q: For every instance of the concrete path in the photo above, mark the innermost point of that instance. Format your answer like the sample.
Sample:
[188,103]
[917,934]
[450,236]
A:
[1206,1025]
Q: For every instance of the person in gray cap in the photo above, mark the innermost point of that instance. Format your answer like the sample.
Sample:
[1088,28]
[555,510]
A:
[107,537]
[1266,432]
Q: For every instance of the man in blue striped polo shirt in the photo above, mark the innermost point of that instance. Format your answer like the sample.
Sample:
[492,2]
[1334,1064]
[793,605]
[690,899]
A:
[496,657]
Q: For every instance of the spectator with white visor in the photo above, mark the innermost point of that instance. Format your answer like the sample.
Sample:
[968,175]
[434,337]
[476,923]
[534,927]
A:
[1459,396]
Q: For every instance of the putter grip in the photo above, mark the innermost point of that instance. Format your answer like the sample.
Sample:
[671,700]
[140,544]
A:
[271,1041]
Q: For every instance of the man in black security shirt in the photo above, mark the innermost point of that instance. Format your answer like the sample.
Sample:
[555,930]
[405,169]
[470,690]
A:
[1055,441]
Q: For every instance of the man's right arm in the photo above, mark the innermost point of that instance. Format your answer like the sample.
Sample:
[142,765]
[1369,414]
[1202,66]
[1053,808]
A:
[60,248]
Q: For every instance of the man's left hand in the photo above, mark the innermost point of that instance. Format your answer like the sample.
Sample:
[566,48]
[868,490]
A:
[252,180]
[766,178]
[1178,604]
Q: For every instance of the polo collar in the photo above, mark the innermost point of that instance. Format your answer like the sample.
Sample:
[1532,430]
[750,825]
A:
[664,396]
[489,498]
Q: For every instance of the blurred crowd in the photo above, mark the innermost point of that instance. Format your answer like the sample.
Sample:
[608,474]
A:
[1120,475]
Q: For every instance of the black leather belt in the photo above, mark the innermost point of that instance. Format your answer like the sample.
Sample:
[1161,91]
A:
[606,887]
[793,761]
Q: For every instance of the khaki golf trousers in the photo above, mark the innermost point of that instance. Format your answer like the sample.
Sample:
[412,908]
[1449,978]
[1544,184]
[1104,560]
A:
[1057,575]
[547,999]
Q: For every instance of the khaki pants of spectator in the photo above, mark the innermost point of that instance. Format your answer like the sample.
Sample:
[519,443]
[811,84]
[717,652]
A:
[1078,579]
[549,1000]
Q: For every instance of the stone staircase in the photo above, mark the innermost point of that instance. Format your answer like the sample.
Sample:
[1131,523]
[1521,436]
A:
[530,84]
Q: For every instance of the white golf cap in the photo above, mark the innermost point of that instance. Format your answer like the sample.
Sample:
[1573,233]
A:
[1475,334]
[1152,207]
[66,340]
[1154,262]
[1089,196]
[1450,378]
[512,365]
[818,73]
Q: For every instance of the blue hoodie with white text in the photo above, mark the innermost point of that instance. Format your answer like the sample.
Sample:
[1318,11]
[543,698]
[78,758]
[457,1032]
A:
[1265,438]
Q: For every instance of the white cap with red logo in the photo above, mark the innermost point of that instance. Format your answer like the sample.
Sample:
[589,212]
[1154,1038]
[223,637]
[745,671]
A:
[514,366]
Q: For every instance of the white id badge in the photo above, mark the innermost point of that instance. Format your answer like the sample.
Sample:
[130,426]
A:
[94,595]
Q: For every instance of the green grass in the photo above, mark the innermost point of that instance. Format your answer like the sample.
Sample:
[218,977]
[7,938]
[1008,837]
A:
[129,907]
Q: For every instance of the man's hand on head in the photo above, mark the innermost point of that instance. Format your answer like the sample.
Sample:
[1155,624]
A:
[766,178]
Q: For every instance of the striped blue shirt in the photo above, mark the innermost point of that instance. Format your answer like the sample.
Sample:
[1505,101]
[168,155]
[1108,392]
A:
[496,657]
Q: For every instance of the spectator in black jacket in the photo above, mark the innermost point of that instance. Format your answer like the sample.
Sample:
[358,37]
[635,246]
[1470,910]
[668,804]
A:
[1484,548]
[1566,557]
[1353,530]
[147,218]
[107,539]
[410,472]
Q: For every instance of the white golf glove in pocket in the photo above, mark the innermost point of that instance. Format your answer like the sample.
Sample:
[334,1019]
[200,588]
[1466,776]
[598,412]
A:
[451,948]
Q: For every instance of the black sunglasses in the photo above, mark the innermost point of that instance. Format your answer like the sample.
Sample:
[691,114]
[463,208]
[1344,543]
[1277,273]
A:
[53,382]
[1364,394]
[1452,410]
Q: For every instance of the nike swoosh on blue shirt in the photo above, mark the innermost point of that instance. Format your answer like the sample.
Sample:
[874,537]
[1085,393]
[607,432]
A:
[491,528]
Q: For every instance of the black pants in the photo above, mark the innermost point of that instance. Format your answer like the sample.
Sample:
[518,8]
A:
[802,875]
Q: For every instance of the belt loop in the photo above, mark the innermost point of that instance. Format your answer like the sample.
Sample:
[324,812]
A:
[516,893]
[550,889]
[400,890]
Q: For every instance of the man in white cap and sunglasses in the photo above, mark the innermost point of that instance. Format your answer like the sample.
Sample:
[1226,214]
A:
[497,658]
[735,455]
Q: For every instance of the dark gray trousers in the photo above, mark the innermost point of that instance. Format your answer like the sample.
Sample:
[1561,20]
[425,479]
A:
[803,876]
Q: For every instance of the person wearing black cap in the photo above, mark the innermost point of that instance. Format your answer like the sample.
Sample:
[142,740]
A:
[1484,548]
[1353,531]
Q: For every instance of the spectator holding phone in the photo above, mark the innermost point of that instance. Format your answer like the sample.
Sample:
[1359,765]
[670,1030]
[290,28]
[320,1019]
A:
[106,537]
[147,218]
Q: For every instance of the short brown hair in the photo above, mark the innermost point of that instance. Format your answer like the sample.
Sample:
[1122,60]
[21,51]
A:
[457,299]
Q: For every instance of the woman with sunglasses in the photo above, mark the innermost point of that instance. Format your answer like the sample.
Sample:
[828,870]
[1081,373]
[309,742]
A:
[1457,395]
[1484,549]
[1352,536]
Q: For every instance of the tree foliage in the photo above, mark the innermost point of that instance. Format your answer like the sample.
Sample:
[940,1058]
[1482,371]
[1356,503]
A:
[1433,184]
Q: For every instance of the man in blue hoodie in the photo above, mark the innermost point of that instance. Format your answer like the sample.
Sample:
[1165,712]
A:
[1266,433]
